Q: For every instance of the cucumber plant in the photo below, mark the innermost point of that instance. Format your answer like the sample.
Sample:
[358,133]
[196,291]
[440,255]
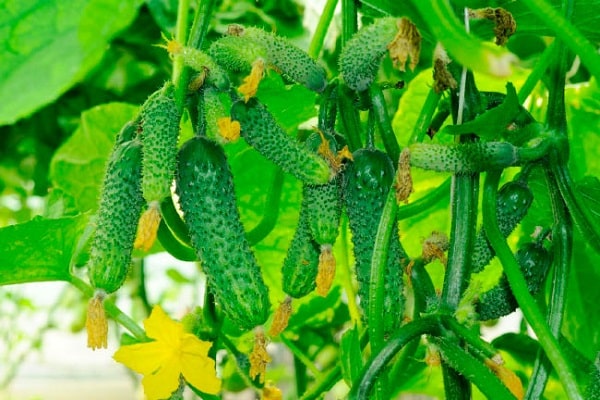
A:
[445,168]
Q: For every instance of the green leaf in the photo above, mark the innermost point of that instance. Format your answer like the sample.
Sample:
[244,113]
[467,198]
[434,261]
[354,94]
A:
[588,189]
[39,250]
[49,45]
[351,355]
[78,165]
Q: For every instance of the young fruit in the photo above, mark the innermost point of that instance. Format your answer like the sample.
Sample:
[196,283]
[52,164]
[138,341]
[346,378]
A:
[215,107]
[362,55]
[464,158]
[367,181]
[207,199]
[260,129]
[118,213]
[160,132]
[513,201]
[535,261]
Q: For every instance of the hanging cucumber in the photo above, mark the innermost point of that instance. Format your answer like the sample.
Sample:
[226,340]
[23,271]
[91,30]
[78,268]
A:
[120,206]
[367,182]
[160,133]
[513,201]
[260,129]
[207,198]
[535,261]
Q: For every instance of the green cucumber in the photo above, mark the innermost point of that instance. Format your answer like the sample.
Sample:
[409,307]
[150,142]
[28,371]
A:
[120,207]
[160,132]
[499,301]
[513,201]
[291,61]
[205,64]
[463,158]
[207,199]
[300,267]
[237,53]
[367,182]
[260,129]
[216,106]
[362,55]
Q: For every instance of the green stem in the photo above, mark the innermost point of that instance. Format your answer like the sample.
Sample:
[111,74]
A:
[568,33]
[384,122]
[537,72]
[483,349]
[379,360]
[181,27]
[387,224]
[424,203]
[468,366]
[271,211]
[316,44]
[111,310]
[324,384]
[519,287]
[299,354]
[349,20]
[349,118]
[425,117]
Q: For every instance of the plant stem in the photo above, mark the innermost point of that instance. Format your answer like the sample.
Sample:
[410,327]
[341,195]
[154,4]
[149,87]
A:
[379,109]
[299,354]
[519,287]
[316,44]
[111,309]
[424,203]
[568,33]
[349,20]
[425,116]
[537,72]
[379,360]
[181,27]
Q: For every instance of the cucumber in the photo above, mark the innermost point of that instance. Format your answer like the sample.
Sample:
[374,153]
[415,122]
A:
[300,267]
[513,201]
[535,261]
[367,181]
[237,53]
[207,199]
[260,129]
[120,207]
[219,126]
[201,62]
[463,158]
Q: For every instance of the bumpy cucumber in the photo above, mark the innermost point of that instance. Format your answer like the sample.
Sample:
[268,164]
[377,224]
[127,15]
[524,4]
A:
[207,199]
[160,132]
[499,301]
[202,62]
[513,201]
[290,60]
[464,158]
[120,206]
[260,129]
[362,55]
[367,181]
[301,263]
[237,53]
[216,106]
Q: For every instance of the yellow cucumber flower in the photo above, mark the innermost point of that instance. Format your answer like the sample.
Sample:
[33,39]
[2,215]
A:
[172,354]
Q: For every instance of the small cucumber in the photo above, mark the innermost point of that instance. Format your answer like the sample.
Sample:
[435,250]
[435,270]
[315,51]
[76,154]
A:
[300,267]
[237,53]
[260,129]
[535,261]
[367,182]
[216,108]
[513,201]
[120,206]
[464,158]
[160,132]
[207,199]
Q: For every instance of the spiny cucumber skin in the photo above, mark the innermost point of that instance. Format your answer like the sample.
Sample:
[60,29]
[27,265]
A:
[464,158]
[301,264]
[512,203]
[292,61]
[260,129]
[160,133]
[499,301]
[128,132]
[362,55]
[215,106]
[367,181]
[323,202]
[119,210]
[207,199]
[237,53]
[200,61]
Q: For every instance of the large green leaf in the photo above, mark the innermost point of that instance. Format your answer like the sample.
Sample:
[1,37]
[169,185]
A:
[49,45]
[39,250]
[78,165]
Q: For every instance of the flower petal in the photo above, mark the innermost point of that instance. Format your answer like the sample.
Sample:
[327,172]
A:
[162,328]
[197,368]
[164,381]
[143,358]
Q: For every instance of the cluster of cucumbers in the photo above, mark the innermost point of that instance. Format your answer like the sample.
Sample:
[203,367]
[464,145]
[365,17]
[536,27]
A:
[146,161]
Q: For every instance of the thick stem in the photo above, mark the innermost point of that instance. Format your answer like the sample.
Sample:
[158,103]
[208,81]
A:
[316,44]
[384,123]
